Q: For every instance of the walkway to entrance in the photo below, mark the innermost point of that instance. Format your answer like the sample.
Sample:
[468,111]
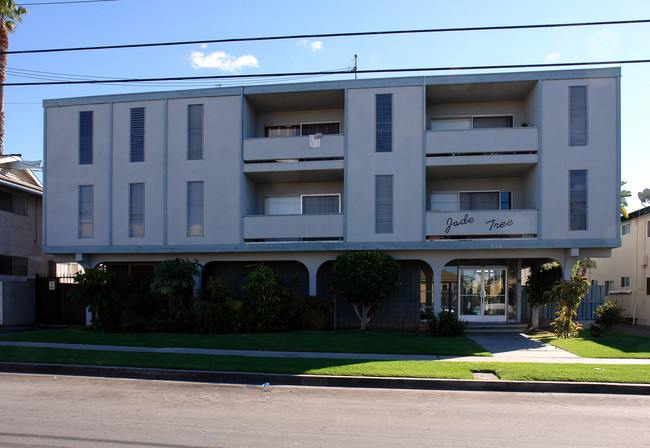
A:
[519,347]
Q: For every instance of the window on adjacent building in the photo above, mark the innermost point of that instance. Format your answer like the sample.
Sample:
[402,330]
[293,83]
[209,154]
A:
[86,137]
[384,204]
[609,285]
[136,210]
[594,283]
[647,286]
[13,203]
[625,282]
[578,129]
[625,229]
[647,226]
[195,208]
[195,132]
[384,122]
[86,211]
[578,200]
[137,134]
[13,265]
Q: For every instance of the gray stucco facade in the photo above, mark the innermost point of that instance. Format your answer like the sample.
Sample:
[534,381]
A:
[483,173]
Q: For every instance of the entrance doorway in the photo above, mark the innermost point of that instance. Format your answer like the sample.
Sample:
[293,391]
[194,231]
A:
[482,294]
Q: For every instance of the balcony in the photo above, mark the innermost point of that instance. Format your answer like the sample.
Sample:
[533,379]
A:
[481,223]
[481,141]
[261,227]
[292,148]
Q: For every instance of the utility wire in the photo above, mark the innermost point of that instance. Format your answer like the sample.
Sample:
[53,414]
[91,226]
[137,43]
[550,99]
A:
[317,36]
[330,72]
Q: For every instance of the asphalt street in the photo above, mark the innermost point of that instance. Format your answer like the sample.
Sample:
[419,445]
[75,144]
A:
[66,411]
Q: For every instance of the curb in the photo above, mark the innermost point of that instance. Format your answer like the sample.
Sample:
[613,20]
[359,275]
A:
[275,379]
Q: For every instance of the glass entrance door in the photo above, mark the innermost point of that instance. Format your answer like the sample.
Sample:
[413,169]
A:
[482,294]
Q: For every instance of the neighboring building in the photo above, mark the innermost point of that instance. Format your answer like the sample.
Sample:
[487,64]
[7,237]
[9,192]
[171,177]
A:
[21,256]
[625,275]
[464,179]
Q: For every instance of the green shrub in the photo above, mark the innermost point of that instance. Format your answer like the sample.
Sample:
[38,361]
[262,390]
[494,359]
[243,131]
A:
[95,291]
[608,316]
[261,299]
[216,311]
[446,324]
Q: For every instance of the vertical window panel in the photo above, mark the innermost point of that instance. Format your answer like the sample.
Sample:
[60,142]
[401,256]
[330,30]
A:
[384,204]
[384,122]
[195,132]
[578,200]
[86,138]
[195,209]
[136,210]
[578,128]
[137,134]
[86,211]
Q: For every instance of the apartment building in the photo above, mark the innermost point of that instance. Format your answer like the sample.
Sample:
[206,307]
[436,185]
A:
[625,275]
[466,180]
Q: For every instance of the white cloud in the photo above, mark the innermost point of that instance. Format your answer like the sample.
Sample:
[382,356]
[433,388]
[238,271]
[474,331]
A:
[316,46]
[553,57]
[222,61]
[374,60]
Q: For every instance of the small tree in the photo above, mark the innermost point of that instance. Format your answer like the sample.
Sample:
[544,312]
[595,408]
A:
[261,297]
[174,279]
[568,295]
[94,290]
[541,280]
[364,278]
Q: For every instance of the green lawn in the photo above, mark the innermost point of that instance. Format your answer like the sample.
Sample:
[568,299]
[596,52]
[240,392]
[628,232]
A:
[611,345]
[412,369]
[298,341]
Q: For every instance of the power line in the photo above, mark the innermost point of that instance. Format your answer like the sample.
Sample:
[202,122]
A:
[318,36]
[330,72]
[66,2]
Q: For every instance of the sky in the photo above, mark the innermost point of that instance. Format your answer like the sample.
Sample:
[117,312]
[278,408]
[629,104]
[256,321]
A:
[147,21]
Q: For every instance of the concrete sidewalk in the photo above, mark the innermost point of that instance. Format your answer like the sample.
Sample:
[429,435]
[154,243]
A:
[505,347]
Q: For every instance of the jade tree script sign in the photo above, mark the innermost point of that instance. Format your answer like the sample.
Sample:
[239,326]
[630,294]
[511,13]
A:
[484,222]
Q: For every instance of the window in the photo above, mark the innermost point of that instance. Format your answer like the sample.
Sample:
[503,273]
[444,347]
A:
[504,121]
[471,200]
[13,203]
[195,132]
[625,229]
[384,204]
[647,226]
[137,134]
[136,210]
[384,122]
[462,123]
[195,209]
[311,204]
[320,128]
[594,283]
[578,200]
[609,285]
[647,286]
[282,131]
[625,282]
[578,116]
[86,137]
[13,265]
[86,206]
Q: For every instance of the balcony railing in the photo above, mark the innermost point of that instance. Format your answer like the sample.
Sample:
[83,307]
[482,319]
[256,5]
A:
[293,226]
[481,223]
[287,148]
[479,141]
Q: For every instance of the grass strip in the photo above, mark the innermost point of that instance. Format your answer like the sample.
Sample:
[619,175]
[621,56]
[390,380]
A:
[410,369]
[294,341]
[610,345]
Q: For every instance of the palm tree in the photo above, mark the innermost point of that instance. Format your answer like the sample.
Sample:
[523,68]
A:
[10,13]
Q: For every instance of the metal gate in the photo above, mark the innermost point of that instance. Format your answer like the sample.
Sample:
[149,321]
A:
[53,307]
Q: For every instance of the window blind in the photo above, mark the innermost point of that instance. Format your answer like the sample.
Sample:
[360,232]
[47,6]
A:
[136,210]
[578,200]
[195,132]
[137,134]
[384,204]
[314,205]
[86,211]
[195,208]
[86,137]
[578,116]
[384,122]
